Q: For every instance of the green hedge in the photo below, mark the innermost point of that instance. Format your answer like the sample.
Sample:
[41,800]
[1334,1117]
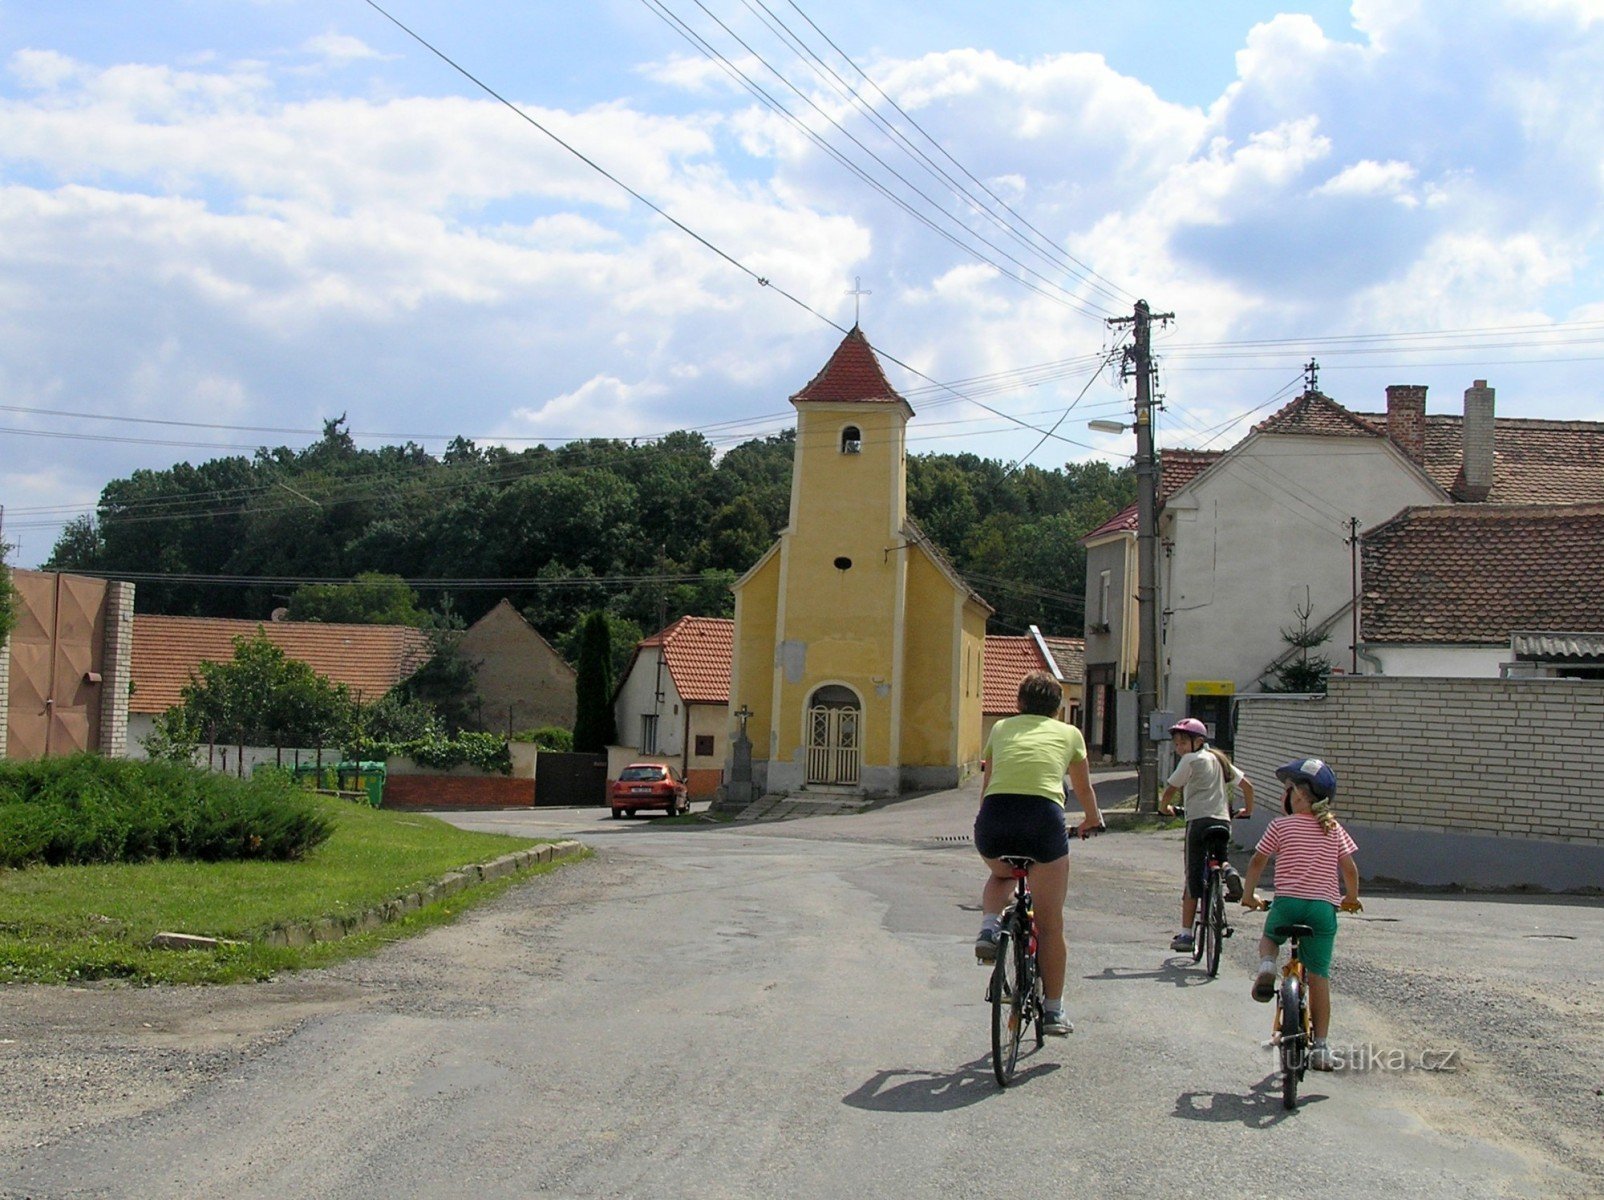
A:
[487,751]
[87,809]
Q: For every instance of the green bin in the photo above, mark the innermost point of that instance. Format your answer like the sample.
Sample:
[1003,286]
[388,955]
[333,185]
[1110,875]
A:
[362,777]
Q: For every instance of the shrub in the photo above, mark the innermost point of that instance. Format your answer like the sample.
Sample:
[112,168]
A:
[547,737]
[87,809]
[487,751]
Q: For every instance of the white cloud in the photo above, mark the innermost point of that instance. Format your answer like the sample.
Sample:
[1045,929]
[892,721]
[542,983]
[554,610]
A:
[1369,178]
[341,48]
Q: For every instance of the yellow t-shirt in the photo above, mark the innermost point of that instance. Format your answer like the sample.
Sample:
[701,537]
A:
[1029,755]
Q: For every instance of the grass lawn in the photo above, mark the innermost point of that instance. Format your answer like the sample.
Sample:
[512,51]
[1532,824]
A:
[65,924]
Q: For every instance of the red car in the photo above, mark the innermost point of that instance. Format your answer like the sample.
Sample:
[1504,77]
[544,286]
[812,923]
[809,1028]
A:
[648,785]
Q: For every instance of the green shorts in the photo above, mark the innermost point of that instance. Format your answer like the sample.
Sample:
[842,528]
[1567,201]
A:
[1318,915]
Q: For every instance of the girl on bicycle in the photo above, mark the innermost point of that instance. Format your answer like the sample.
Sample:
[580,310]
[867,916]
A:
[1204,776]
[1311,851]
[1022,815]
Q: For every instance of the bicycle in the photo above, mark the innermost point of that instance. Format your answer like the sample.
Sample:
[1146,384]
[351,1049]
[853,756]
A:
[1015,989]
[1209,926]
[1290,1030]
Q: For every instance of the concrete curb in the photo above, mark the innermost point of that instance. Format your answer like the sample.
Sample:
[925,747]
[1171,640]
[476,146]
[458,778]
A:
[332,929]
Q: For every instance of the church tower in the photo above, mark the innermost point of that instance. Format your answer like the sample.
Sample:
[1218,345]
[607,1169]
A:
[857,646]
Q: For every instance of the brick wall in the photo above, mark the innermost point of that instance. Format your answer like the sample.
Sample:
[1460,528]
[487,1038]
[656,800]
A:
[1406,418]
[458,791]
[116,669]
[1511,759]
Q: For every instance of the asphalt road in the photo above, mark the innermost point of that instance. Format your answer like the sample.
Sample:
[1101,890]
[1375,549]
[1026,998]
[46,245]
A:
[792,1009]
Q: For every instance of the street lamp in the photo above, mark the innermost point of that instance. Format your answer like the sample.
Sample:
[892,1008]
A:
[1108,426]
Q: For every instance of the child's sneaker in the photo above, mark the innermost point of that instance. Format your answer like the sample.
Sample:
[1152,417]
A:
[1055,1024]
[1182,942]
[986,946]
[1233,885]
[1264,987]
[1320,1057]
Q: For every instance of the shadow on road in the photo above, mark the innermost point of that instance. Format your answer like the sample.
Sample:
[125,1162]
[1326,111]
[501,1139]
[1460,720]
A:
[1179,972]
[908,1091]
[1259,1109]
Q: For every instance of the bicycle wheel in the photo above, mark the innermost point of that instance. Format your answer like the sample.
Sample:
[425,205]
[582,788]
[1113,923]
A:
[1200,929]
[1214,926]
[1008,992]
[1289,1024]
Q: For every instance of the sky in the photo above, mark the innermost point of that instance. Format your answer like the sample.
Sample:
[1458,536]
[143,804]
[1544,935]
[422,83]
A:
[225,222]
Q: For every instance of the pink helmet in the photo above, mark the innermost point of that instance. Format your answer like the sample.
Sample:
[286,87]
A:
[1192,726]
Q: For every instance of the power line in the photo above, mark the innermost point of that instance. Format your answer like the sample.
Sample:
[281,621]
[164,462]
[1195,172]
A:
[669,17]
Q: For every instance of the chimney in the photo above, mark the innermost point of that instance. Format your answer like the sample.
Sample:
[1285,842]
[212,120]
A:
[1477,447]
[1406,418]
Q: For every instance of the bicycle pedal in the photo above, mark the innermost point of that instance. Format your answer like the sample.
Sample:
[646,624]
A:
[1229,931]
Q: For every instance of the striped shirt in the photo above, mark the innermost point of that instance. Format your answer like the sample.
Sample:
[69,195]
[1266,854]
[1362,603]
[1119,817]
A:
[1306,856]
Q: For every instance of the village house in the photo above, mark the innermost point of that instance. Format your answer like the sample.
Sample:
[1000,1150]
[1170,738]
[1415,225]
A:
[672,704]
[1265,539]
[167,652]
[1009,659]
[1484,590]
[522,682]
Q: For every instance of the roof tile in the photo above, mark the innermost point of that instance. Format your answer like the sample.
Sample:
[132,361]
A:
[853,374]
[1475,573]
[368,659]
[1007,661]
[698,652]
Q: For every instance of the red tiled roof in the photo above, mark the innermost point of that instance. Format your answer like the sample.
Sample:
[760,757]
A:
[1007,661]
[1070,655]
[698,651]
[370,659]
[1176,469]
[1475,573]
[853,374]
[1534,462]
[1318,414]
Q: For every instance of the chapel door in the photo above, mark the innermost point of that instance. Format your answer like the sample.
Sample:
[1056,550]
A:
[834,721]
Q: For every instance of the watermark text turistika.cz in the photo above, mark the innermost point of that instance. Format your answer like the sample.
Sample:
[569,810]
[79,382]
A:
[1362,1057]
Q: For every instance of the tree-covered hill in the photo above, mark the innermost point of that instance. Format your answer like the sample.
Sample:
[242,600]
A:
[648,532]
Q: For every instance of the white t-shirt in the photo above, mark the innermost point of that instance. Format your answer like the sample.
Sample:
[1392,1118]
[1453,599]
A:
[1204,788]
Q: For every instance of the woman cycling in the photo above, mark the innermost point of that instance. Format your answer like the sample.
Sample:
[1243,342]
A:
[1204,776]
[1022,815]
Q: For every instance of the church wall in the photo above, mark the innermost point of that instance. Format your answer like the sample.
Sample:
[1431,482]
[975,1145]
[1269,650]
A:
[837,619]
[932,657]
[752,665]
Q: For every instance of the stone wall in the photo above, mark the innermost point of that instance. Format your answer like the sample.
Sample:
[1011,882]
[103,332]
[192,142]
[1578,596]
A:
[1467,781]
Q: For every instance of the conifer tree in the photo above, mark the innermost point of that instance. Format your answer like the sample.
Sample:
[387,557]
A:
[594,728]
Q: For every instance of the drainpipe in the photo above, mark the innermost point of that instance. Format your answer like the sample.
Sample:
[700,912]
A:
[1370,658]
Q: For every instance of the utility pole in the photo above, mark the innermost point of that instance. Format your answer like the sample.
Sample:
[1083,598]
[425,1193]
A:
[1139,362]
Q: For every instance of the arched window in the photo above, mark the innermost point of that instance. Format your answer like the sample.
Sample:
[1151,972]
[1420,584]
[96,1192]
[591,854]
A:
[851,440]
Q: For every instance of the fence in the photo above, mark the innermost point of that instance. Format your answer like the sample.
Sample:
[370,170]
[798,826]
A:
[1478,782]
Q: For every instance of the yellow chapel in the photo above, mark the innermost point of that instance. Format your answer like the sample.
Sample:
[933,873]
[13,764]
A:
[857,658]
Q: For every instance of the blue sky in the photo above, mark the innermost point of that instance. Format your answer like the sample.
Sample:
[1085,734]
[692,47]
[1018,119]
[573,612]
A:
[221,220]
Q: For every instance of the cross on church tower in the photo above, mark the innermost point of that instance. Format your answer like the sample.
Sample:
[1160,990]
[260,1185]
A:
[857,293]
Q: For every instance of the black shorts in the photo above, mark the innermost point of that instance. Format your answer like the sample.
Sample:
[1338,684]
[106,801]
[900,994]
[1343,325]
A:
[1199,834]
[1011,825]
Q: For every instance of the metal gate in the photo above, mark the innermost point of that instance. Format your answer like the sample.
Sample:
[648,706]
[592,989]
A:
[56,649]
[833,744]
[566,780]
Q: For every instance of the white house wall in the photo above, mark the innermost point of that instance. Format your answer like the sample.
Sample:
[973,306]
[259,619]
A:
[1444,662]
[637,697]
[1250,534]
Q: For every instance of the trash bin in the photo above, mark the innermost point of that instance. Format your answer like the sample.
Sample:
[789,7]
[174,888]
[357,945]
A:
[362,777]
